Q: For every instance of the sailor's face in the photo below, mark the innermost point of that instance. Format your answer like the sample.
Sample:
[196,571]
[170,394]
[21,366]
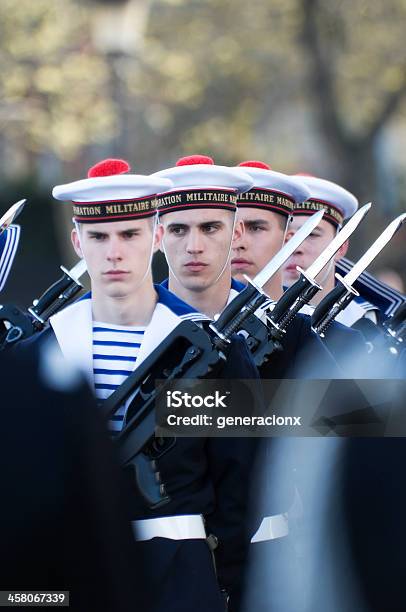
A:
[197,244]
[117,254]
[309,250]
[261,240]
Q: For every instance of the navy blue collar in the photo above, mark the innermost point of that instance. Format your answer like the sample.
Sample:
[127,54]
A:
[169,299]
[236,285]
[381,296]
[165,297]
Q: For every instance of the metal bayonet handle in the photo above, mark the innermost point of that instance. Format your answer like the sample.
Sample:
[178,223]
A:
[55,297]
[332,304]
[294,298]
[242,306]
[396,321]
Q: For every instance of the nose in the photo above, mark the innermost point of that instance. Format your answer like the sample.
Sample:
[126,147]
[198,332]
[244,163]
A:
[194,242]
[299,249]
[114,253]
[240,244]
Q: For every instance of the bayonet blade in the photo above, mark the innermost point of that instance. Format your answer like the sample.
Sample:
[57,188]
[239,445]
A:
[78,270]
[12,213]
[287,250]
[374,250]
[323,259]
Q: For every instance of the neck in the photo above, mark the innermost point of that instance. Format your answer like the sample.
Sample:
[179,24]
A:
[273,287]
[132,310]
[210,301]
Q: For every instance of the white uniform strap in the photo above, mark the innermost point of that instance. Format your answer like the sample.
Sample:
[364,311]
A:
[181,527]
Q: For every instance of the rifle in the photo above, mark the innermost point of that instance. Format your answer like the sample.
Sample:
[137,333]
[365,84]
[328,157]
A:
[188,352]
[17,324]
[344,292]
[264,339]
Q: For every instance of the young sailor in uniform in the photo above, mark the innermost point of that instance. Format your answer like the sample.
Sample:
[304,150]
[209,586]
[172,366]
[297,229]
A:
[108,334]
[376,301]
[265,212]
[199,228]
[270,199]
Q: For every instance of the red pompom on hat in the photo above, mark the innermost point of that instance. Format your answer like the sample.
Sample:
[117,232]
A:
[108,167]
[255,164]
[191,160]
[111,193]
[272,190]
[200,183]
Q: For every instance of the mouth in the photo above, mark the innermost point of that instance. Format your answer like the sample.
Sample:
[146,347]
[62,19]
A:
[241,264]
[291,268]
[116,274]
[195,266]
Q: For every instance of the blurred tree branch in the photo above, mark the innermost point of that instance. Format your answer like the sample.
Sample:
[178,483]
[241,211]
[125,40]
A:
[352,144]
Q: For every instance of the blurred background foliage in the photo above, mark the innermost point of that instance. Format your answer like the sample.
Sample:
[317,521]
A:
[305,85]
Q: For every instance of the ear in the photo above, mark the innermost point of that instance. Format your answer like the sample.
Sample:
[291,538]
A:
[76,243]
[287,231]
[159,232]
[238,230]
[342,251]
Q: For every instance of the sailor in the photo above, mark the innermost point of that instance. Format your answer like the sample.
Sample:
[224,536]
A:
[265,222]
[198,232]
[108,334]
[64,524]
[200,273]
[345,485]
[376,300]
[198,220]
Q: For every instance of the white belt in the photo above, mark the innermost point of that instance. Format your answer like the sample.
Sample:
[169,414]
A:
[271,528]
[180,527]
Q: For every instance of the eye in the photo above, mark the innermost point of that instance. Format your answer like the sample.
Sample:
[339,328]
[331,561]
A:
[177,230]
[130,234]
[209,229]
[98,237]
[257,228]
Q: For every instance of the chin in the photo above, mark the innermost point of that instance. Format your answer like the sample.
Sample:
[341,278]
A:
[289,280]
[239,276]
[117,294]
[197,285]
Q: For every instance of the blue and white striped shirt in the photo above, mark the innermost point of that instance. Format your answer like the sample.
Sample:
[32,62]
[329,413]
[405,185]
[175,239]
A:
[115,352]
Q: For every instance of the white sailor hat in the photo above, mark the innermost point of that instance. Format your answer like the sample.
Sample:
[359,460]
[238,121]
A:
[199,183]
[272,190]
[337,202]
[9,239]
[110,194]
